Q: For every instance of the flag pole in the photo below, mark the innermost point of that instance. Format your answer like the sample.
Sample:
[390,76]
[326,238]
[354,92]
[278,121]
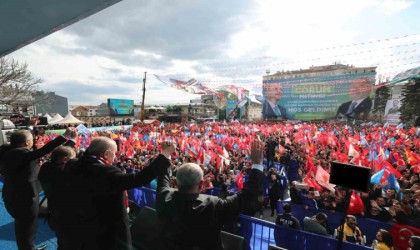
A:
[343,219]
[142,114]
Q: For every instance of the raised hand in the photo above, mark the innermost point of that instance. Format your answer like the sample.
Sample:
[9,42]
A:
[68,132]
[168,148]
[257,151]
[73,134]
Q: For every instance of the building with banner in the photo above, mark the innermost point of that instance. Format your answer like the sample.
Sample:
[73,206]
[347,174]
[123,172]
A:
[404,83]
[327,92]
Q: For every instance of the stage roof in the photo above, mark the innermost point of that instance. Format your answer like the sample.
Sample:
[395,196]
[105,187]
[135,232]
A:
[25,21]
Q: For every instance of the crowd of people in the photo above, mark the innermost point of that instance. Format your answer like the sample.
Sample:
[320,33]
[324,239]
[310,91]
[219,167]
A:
[197,158]
[88,125]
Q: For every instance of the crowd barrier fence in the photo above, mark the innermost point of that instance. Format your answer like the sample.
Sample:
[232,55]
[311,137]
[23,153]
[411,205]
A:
[368,227]
[258,233]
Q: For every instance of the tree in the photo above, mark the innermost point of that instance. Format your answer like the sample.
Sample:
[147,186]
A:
[16,83]
[169,109]
[382,94]
[189,108]
[177,109]
[410,102]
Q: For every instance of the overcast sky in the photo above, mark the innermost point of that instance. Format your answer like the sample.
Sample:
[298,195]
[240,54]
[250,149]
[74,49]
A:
[218,42]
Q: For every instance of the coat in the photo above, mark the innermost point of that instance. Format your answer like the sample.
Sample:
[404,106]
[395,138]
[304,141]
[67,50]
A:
[268,111]
[193,220]
[21,185]
[360,112]
[94,213]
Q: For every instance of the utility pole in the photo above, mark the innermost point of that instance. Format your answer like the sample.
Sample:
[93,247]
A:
[142,114]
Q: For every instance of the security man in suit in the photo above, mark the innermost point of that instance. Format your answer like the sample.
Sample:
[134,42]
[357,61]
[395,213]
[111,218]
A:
[21,185]
[53,181]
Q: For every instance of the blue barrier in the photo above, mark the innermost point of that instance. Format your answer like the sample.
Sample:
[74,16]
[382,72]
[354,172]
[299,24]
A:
[368,227]
[259,234]
[293,173]
[213,191]
[143,196]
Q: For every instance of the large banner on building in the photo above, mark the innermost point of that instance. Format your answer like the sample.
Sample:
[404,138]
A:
[320,97]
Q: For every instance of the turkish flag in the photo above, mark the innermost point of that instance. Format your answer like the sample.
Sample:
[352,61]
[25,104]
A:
[356,205]
[311,183]
[416,169]
[400,235]
[130,152]
[391,169]
[240,181]
[323,178]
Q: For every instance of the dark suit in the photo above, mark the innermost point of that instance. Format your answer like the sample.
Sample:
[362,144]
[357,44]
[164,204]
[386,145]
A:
[94,215]
[268,111]
[21,189]
[271,152]
[360,112]
[274,195]
[113,111]
[393,110]
[194,221]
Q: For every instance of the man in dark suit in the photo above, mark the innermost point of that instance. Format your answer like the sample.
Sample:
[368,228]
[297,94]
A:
[21,185]
[395,108]
[274,189]
[95,214]
[271,106]
[130,110]
[53,182]
[270,153]
[192,220]
[361,103]
[113,110]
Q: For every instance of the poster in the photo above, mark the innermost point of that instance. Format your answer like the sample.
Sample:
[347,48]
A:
[319,97]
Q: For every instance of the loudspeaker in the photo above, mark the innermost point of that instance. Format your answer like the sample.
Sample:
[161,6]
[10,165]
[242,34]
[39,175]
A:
[146,229]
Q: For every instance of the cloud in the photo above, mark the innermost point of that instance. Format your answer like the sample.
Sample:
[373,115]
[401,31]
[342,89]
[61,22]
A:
[85,93]
[183,30]
[216,42]
[392,7]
